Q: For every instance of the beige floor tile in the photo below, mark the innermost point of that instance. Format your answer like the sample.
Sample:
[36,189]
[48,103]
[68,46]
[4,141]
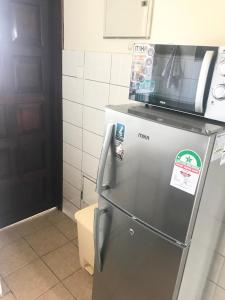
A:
[221,280]
[64,261]
[15,256]
[8,297]
[31,281]
[57,216]
[220,294]
[3,288]
[8,236]
[68,227]
[33,225]
[47,240]
[57,293]
[80,285]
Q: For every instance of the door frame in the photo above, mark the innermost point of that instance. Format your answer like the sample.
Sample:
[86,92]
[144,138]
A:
[56,27]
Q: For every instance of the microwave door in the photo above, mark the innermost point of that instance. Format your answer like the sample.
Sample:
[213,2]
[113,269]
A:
[202,81]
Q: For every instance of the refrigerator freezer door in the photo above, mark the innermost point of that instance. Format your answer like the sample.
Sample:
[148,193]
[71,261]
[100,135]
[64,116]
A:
[139,174]
[136,262]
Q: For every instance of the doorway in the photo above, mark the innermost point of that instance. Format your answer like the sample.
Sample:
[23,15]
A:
[30,108]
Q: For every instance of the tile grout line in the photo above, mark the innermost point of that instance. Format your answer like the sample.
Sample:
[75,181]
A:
[216,284]
[64,161]
[75,125]
[39,257]
[71,203]
[71,184]
[80,150]
[85,105]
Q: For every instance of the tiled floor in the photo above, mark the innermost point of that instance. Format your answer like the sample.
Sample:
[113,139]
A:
[39,260]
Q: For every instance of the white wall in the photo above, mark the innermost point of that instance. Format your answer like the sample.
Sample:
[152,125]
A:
[94,79]
[174,21]
[91,80]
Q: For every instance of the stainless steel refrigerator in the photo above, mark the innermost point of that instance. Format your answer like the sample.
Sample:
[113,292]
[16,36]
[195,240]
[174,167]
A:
[161,205]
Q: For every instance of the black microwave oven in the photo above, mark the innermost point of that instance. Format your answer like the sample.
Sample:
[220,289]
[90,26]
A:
[190,79]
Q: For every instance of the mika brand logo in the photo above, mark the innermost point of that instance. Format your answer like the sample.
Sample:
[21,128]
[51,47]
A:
[143,136]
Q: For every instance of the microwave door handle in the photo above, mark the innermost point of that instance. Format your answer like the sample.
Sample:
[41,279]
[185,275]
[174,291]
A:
[103,157]
[202,81]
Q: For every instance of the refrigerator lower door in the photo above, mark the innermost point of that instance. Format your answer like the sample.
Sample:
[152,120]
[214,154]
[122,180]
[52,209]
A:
[133,262]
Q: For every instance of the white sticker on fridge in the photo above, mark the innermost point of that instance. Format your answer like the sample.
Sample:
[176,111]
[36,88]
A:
[186,171]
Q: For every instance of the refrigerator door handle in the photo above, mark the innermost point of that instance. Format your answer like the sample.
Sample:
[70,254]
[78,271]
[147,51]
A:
[103,158]
[98,249]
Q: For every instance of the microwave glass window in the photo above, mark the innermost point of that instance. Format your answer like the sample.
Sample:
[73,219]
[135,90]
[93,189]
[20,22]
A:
[168,77]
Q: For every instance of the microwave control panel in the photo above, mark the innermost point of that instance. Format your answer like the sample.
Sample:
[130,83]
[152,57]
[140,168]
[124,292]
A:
[216,101]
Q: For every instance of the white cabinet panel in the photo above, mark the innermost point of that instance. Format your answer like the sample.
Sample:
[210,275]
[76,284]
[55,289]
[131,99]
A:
[72,135]
[93,120]
[71,193]
[72,113]
[92,143]
[72,175]
[119,95]
[89,194]
[96,94]
[72,155]
[90,165]
[121,69]
[73,63]
[97,66]
[73,89]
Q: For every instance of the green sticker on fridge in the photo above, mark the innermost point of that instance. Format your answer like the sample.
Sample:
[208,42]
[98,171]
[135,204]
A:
[186,171]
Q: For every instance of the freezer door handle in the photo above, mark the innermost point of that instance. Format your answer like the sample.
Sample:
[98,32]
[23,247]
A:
[103,158]
[97,242]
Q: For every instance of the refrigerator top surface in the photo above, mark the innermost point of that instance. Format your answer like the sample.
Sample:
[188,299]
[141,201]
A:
[170,118]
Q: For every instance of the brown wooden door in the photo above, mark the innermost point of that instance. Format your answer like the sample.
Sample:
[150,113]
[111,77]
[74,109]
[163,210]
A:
[28,139]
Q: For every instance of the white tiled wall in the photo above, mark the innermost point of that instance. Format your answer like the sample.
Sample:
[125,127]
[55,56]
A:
[73,63]
[72,113]
[215,289]
[118,95]
[73,89]
[90,165]
[92,143]
[72,135]
[93,120]
[96,94]
[98,66]
[92,80]
[120,71]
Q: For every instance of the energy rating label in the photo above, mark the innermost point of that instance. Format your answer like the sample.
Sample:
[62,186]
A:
[186,171]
